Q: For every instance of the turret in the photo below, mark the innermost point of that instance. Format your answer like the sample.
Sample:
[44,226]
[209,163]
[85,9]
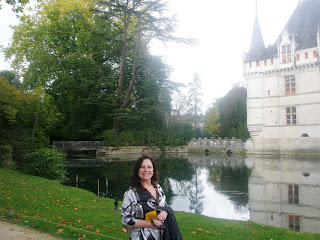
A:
[257,47]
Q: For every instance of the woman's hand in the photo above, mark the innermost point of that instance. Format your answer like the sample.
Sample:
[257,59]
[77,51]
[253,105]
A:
[156,223]
[162,216]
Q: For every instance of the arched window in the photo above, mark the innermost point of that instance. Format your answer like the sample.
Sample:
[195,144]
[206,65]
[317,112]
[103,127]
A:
[304,135]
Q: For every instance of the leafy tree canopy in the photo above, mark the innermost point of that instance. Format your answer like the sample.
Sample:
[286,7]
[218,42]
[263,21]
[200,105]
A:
[228,116]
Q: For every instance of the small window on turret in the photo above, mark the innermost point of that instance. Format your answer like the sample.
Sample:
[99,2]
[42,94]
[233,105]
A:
[265,62]
[257,63]
[250,64]
[306,56]
[298,57]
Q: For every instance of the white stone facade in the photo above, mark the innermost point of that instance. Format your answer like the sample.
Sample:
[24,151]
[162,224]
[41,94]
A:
[287,81]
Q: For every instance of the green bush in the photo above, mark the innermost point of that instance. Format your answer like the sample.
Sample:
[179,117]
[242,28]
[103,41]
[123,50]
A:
[126,138]
[110,137]
[47,163]
[175,135]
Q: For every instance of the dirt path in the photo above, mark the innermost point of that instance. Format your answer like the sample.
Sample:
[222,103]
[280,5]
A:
[11,231]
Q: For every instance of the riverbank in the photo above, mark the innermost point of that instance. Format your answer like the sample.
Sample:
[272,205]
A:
[72,213]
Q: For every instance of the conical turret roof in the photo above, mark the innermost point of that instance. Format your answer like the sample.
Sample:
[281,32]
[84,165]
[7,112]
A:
[303,25]
[257,47]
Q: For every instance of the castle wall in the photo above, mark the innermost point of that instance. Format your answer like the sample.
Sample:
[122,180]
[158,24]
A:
[267,101]
[216,145]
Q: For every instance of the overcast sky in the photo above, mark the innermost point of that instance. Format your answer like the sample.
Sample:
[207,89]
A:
[223,29]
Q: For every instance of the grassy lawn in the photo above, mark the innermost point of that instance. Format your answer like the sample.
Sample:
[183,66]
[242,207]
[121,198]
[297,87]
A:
[73,213]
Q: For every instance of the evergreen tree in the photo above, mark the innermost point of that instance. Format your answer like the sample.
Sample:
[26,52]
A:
[233,113]
[195,101]
[138,22]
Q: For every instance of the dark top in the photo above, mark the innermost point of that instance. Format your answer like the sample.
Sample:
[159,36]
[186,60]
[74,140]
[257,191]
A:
[147,201]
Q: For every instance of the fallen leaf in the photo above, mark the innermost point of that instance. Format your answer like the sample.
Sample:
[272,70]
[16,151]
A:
[124,230]
[193,232]
[11,229]
[60,230]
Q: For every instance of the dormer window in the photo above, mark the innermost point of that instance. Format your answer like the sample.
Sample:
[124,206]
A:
[286,53]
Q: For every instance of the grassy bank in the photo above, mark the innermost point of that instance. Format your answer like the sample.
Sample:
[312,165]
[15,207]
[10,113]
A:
[72,213]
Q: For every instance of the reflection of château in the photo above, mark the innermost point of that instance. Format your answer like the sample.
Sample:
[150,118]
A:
[285,192]
[283,85]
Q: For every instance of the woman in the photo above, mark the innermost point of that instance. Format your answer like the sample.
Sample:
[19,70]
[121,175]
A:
[144,209]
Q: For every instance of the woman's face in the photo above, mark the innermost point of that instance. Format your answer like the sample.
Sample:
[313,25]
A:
[146,170]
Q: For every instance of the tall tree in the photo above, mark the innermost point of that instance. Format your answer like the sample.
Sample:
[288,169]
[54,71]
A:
[233,113]
[195,98]
[138,21]
[74,54]
[212,124]
[69,52]
[179,107]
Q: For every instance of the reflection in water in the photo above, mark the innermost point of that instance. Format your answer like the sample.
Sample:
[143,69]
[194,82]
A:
[196,193]
[215,186]
[211,203]
[285,192]
[277,191]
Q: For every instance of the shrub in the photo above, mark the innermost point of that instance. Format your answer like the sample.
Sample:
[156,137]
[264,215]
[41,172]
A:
[110,137]
[126,138]
[47,163]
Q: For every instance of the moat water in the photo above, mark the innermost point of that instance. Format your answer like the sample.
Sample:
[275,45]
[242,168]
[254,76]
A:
[277,191]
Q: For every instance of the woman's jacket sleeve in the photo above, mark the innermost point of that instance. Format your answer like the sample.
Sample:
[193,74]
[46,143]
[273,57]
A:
[128,212]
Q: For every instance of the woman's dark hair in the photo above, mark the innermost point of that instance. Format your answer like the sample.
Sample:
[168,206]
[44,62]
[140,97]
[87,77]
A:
[135,179]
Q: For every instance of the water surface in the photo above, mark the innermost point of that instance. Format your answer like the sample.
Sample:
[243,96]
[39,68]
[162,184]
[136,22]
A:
[277,191]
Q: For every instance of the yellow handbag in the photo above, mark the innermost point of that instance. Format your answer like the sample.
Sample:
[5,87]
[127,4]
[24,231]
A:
[151,215]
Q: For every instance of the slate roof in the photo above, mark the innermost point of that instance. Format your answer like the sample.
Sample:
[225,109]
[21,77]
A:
[257,47]
[303,25]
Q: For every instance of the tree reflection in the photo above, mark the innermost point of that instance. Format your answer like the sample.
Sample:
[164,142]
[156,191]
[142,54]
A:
[178,176]
[177,169]
[231,181]
[117,174]
[195,192]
